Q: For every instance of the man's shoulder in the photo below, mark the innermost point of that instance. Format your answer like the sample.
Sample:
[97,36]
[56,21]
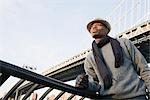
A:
[123,39]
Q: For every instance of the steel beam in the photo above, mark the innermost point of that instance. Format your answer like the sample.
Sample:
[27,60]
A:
[82,98]
[30,91]
[13,89]
[45,94]
[71,97]
[59,95]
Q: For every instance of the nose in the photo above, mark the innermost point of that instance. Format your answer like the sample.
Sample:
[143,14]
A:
[94,26]
[94,29]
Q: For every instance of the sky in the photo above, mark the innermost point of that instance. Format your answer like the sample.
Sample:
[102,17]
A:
[44,33]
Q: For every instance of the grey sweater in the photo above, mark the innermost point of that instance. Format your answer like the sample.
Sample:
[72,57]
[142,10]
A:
[129,80]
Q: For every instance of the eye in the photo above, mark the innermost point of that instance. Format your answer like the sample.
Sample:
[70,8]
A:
[100,25]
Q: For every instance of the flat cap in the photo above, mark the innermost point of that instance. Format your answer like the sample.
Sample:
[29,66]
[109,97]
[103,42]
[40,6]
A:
[104,22]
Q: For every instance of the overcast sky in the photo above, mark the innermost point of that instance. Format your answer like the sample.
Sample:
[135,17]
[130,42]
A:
[43,33]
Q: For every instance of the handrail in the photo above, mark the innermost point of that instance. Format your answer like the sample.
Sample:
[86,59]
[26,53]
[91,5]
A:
[46,81]
[30,91]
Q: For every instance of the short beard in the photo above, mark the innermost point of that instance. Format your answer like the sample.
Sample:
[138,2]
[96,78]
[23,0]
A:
[98,36]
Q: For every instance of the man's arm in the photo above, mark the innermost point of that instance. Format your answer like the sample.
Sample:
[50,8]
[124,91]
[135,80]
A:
[93,85]
[140,63]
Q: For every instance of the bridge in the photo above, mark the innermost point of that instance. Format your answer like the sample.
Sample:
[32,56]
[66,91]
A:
[138,32]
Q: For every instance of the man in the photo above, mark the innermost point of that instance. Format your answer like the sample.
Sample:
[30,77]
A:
[115,68]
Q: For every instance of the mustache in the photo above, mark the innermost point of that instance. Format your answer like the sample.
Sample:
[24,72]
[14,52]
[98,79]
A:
[98,35]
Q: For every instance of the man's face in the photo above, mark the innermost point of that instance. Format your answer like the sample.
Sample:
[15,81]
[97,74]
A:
[98,30]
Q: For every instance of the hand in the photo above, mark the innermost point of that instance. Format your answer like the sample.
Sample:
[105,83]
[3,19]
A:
[82,81]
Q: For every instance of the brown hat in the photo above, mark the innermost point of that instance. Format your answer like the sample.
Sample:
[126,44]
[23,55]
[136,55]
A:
[89,25]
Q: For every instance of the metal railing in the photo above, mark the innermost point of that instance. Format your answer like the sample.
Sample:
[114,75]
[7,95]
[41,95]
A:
[13,70]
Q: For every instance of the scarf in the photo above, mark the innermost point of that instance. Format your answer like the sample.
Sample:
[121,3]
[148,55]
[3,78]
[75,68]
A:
[104,71]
